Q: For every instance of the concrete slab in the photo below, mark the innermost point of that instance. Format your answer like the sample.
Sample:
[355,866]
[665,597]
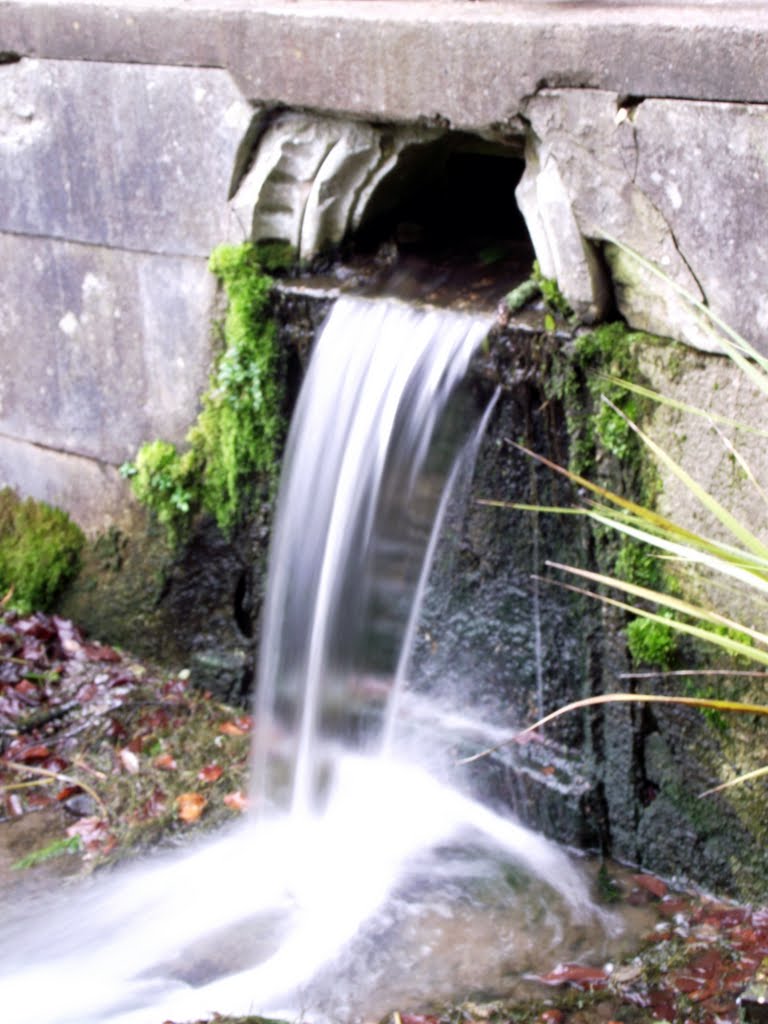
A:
[471,64]
[102,349]
[150,170]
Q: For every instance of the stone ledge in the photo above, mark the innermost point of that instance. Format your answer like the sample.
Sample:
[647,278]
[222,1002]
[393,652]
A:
[120,155]
[469,64]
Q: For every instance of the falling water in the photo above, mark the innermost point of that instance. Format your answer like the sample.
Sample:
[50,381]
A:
[377,438]
[362,859]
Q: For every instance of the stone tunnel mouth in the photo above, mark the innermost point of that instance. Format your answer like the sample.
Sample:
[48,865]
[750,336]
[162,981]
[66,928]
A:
[444,226]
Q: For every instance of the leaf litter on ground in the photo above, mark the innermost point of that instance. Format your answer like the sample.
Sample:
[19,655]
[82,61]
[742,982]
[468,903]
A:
[128,756]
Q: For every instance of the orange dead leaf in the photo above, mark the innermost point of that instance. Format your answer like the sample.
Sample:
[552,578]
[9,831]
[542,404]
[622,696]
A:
[190,806]
[236,801]
[651,884]
[232,729]
[165,762]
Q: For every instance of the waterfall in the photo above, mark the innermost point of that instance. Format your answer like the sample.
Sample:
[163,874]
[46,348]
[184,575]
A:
[357,845]
[375,443]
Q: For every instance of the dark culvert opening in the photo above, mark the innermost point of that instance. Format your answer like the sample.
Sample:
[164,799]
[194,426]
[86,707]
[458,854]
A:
[446,218]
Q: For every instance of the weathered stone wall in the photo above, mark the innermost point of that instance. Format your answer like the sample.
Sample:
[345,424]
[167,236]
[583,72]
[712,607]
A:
[683,183]
[125,130]
[115,181]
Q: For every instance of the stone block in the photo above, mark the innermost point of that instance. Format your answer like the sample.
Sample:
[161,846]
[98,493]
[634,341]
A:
[92,493]
[682,183]
[126,156]
[704,167]
[101,349]
[471,64]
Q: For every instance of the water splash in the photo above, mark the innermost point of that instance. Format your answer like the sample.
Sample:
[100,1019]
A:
[353,844]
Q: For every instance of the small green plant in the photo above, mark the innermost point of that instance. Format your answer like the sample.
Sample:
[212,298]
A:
[166,482]
[234,441]
[39,551]
[548,289]
[57,848]
[554,299]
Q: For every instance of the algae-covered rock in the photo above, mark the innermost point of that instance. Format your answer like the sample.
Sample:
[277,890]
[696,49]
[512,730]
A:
[192,606]
[39,551]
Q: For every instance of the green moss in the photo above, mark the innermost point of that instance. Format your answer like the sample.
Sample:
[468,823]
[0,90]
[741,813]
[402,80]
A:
[39,551]
[553,298]
[520,296]
[234,442]
[651,643]
[605,448]
[276,256]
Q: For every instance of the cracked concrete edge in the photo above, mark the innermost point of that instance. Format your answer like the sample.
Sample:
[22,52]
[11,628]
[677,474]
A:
[467,65]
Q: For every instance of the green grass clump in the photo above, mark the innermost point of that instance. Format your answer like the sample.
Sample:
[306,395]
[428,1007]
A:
[39,551]
[234,441]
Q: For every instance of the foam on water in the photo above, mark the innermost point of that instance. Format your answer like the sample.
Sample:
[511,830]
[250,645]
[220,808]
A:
[302,887]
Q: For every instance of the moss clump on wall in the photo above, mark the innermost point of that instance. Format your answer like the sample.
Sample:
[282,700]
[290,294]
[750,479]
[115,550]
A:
[39,551]
[234,441]
[599,412]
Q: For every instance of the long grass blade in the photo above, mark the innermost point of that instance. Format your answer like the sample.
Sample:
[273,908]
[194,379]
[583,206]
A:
[731,523]
[686,540]
[686,672]
[733,344]
[746,777]
[713,703]
[515,506]
[743,464]
[739,567]
[734,647]
[674,403]
[655,519]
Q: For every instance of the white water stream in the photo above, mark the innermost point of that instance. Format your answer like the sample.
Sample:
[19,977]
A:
[363,862]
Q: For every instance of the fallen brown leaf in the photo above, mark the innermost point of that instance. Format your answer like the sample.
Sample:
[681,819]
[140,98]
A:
[190,806]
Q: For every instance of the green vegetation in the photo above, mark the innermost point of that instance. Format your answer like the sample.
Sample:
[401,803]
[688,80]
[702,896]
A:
[741,559]
[39,551]
[651,643]
[602,414]
[537,285]
[57,848]
[553,298]
[275,256]
[234,442]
